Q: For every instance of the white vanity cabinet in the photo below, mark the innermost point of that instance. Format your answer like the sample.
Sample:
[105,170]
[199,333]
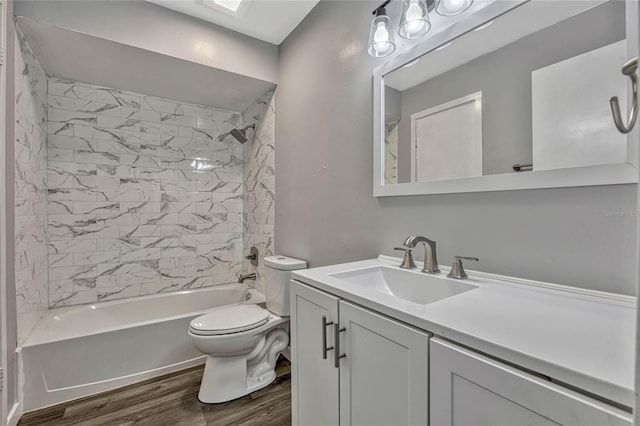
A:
[382,378]
[315,381]
[443,362]
[470,389]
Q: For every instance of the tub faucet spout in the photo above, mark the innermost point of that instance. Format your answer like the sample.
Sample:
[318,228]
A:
[243,278]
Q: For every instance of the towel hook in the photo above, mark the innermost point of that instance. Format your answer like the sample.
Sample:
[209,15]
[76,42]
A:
[628,69]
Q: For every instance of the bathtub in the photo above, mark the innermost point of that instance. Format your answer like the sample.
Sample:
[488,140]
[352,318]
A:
[82,350]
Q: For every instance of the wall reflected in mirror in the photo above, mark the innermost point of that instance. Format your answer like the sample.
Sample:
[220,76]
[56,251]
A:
[527,89]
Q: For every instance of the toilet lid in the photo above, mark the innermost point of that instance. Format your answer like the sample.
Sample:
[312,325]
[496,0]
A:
[232,319]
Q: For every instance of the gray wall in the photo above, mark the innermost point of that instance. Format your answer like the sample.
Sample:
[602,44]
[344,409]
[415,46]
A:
[325,212]
[392,104]
[152,27]
[504,77]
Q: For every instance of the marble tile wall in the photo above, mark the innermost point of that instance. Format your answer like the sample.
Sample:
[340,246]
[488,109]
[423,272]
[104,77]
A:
[145,195]
[391,152]
[30,190]
[259,184]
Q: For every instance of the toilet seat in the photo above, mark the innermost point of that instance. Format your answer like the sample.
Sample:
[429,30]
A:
[229,320]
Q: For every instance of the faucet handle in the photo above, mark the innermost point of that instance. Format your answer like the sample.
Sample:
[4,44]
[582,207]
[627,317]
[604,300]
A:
[457,270]
[475,259]
[407,260]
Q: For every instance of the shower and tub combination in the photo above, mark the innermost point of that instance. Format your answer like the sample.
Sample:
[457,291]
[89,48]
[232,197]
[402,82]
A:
[83,350]
[134,211]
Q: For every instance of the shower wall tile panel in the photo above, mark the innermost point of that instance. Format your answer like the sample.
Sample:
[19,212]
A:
[391,152]
[259,184]
[144,194]
[30,188]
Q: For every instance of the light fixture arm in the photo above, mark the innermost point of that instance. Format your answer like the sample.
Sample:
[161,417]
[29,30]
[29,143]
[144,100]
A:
[377,10]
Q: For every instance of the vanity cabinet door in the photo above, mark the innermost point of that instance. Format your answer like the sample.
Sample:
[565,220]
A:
[384,376]
[315,384]
[470,389]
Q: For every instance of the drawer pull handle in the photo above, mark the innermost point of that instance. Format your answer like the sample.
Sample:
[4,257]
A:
[336,353]
[325,349]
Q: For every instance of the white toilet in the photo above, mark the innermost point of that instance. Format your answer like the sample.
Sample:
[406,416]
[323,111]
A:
[243,341]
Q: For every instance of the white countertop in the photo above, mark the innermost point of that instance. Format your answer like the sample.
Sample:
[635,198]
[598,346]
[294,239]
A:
[586,341]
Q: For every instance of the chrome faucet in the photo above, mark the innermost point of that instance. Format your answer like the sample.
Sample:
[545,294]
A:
[243,278]
[430,257]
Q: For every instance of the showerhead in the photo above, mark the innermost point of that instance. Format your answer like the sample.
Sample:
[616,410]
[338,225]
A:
[241,134]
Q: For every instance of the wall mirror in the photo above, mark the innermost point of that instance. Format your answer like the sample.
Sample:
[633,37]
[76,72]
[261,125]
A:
[513,96]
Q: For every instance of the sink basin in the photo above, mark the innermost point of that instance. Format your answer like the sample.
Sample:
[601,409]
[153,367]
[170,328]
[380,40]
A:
[413,286]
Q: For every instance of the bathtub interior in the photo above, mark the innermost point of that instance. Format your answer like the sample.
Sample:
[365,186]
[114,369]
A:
[77,321]
[77,364]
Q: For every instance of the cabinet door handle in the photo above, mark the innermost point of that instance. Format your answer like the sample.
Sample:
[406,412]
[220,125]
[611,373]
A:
[336,353]
[325,349]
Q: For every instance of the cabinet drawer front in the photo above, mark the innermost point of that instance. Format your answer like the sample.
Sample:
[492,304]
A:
[384,377]
[470,389]
[314,378]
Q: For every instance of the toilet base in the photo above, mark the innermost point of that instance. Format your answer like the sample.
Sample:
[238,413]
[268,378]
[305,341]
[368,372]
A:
[225,379]
[228,378]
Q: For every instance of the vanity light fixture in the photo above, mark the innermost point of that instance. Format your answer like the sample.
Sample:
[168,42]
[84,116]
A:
[381,42]
[414,22]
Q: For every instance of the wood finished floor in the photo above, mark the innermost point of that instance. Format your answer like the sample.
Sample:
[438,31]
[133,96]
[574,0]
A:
[172,400]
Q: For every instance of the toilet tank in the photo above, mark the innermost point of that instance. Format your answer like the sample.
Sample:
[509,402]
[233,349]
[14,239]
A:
[278,273]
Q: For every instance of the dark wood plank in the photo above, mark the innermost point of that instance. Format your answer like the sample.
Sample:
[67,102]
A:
[254,409]
[164,412]
[156,392]
[47,416]
[108,398]
[172,400]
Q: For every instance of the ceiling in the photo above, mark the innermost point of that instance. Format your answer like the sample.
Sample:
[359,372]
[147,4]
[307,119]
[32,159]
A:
[268,20]
[81,57]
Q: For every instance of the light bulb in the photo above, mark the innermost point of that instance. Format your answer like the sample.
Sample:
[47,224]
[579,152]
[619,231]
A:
[381,39]
[413,27]
[414,12]
[381,34]
[452,7]
[414,18]
[414,21]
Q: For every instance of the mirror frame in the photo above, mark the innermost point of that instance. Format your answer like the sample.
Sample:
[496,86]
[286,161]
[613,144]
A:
[606,174]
